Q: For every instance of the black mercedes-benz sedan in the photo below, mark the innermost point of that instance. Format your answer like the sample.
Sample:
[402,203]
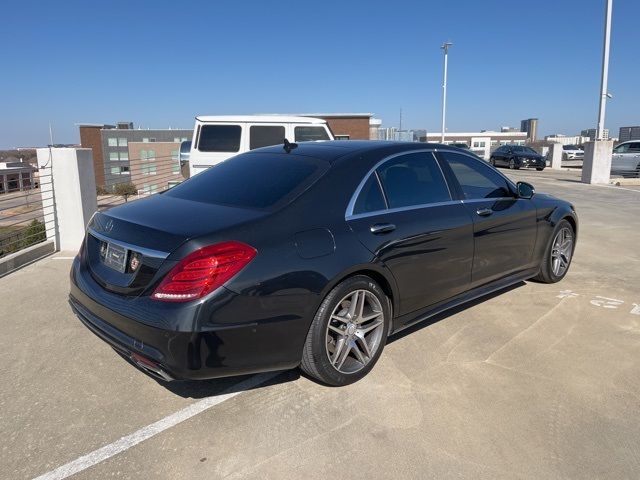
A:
[310,256]
[516,157]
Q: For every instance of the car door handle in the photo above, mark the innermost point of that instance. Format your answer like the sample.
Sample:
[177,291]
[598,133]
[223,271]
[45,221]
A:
[382,228]
[484,212]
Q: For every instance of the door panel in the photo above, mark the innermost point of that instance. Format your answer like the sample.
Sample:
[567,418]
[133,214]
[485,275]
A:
[504,238]
[504,227]
[429,253]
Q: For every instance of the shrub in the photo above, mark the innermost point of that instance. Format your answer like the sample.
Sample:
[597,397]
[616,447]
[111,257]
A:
[125,190]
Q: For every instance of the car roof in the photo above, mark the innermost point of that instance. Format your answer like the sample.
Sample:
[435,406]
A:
[332,150]
[259,119]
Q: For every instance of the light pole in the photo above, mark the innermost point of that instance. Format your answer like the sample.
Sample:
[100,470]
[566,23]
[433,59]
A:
[445,46]
[604,79]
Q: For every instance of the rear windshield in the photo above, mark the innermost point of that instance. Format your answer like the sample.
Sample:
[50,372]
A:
[252,180]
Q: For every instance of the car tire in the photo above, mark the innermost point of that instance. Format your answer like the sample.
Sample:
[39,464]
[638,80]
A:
[492,162]
[539,169]
[338,325]
[513,165]
[548,271]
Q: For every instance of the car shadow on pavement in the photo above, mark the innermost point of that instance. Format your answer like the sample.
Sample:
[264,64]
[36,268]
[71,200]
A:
[446,314]
[218,386]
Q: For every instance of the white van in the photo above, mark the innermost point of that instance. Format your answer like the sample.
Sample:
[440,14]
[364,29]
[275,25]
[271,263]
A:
[216,138]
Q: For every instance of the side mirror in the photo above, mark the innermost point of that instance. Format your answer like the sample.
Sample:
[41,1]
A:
[525,190]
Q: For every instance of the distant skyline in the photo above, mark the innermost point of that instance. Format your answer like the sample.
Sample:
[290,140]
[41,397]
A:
[160,63]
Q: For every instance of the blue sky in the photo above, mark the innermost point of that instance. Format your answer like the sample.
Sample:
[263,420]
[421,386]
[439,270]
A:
[160,63]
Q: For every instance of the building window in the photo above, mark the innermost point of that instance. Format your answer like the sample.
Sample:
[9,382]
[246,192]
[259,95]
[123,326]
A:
[148,169]
[145,140]
[112,142]
[125,170]
[113,156]
[479,144]
[124,156]
[175,155]
[122,142]
[147,155]
[175,168]
[115,170]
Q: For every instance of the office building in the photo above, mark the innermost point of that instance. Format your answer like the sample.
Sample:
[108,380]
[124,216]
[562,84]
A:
[110,146]
[592,133]
[154,166]
[16,176]
[629,133]
[530,125]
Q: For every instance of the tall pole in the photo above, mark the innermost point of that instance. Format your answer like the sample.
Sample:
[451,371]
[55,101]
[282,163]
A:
[605,70]
[445,46]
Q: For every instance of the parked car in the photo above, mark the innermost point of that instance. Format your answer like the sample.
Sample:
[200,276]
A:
[572,152]
[217,138]
[517,156]
[309,255]
[459,145]
[625,159]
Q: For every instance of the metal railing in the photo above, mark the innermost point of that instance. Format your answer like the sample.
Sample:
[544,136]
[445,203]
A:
[25,214]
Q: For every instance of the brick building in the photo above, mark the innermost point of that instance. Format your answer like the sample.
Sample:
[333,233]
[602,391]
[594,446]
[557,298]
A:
[110,146]
[154,166]
[351,126]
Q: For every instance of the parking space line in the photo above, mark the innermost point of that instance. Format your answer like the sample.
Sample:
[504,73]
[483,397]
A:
[149,431]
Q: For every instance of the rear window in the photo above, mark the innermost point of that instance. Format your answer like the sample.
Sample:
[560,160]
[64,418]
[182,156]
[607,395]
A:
[219,138]
[310,134]
[252,180]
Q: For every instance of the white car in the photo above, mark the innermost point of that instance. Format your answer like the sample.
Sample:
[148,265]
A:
[625,159]
[217,138]
[572,152]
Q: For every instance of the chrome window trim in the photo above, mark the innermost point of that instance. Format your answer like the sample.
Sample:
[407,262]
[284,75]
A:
[350,206]
[355,216]
[146,252]
[489,199]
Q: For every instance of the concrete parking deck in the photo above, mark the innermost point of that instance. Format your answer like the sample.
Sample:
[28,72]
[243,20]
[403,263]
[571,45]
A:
[539,381]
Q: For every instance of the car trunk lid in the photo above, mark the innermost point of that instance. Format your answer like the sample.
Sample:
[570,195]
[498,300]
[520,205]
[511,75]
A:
[127,245]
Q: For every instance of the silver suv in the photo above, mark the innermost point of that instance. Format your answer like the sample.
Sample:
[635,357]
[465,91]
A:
[625,160]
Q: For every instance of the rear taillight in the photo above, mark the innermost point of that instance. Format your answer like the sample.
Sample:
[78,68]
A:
[204,270]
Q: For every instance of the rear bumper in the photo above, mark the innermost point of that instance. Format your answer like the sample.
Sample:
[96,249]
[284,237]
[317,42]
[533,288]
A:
[171,352]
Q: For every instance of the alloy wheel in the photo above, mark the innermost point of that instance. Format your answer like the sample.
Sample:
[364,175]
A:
[561,251]
[512,164]
[355,331]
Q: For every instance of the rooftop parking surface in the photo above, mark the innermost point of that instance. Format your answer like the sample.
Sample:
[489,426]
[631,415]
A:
[537,381]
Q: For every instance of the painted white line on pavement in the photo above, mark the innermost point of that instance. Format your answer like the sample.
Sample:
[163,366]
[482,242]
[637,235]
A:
[62,258]
[149,431]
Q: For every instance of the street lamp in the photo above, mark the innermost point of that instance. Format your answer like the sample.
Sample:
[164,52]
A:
[605,71]
[445,46]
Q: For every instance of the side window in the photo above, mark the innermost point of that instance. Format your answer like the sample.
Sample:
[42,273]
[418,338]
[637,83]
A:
[370,198]
[413,179]
[622,148]
[219,138]
[310,134]
[634,147]
[477,179]
[265,136]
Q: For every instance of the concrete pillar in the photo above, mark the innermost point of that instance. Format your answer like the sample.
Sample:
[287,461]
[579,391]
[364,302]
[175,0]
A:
[555,155]
[596,167]
[68,192]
